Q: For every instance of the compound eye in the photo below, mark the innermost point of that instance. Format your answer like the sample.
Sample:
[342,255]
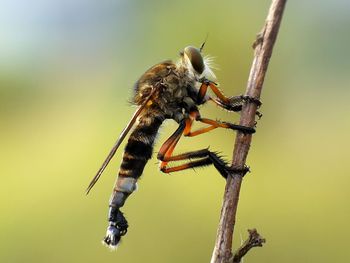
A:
[196,58]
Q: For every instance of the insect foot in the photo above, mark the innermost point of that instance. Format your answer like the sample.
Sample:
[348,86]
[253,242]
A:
[224,169]
[220,164]
[234,103]
[115,231]
[240,171]
[252,100]
[244,129]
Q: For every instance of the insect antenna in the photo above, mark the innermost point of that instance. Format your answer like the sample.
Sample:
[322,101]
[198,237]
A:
[205,40]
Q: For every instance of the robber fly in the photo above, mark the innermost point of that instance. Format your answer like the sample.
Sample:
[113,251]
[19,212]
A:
[167,90]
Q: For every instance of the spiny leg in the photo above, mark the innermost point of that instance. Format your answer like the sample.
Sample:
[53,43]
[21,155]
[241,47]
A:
[204,160]
[205,156]
[236,104]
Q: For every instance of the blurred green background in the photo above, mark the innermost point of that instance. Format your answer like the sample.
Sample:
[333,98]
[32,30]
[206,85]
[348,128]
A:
[66,73]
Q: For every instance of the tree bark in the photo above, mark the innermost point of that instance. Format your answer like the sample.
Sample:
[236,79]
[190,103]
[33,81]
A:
[262,52]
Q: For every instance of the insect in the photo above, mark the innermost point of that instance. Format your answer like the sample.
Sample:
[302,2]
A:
[167,90]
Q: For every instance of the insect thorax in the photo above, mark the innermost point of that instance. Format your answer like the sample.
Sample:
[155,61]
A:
[176,89]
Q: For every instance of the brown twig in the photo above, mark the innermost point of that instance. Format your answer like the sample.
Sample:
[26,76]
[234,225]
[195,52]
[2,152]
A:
[254,240]
[263,49]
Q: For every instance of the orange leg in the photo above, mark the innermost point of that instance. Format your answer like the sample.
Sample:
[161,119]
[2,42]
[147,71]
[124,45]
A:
[216,124]
[205,156]
[168,147]
[203,91]
[235,103]
[229,103]
[202,162]
[219,93]
[166,150]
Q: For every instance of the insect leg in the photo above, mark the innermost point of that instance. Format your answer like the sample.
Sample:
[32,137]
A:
[217,124]
[227,125]
[203,91]
[168,147]
[206,158]
[229,103]
[236,104]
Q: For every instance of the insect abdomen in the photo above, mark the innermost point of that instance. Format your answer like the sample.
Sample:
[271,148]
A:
[137,152]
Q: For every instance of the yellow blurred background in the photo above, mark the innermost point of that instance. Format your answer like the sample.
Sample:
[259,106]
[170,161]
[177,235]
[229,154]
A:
[67,69]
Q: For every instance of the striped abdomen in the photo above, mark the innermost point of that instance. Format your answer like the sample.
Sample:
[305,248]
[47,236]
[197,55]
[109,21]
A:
[138,150]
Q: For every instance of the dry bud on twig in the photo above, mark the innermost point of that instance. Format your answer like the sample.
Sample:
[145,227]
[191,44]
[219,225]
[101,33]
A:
[254,240]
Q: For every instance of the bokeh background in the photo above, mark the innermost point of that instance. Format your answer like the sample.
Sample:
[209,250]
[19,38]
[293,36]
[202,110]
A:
[66,73]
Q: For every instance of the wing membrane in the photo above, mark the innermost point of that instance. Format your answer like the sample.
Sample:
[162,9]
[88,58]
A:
[119,141]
